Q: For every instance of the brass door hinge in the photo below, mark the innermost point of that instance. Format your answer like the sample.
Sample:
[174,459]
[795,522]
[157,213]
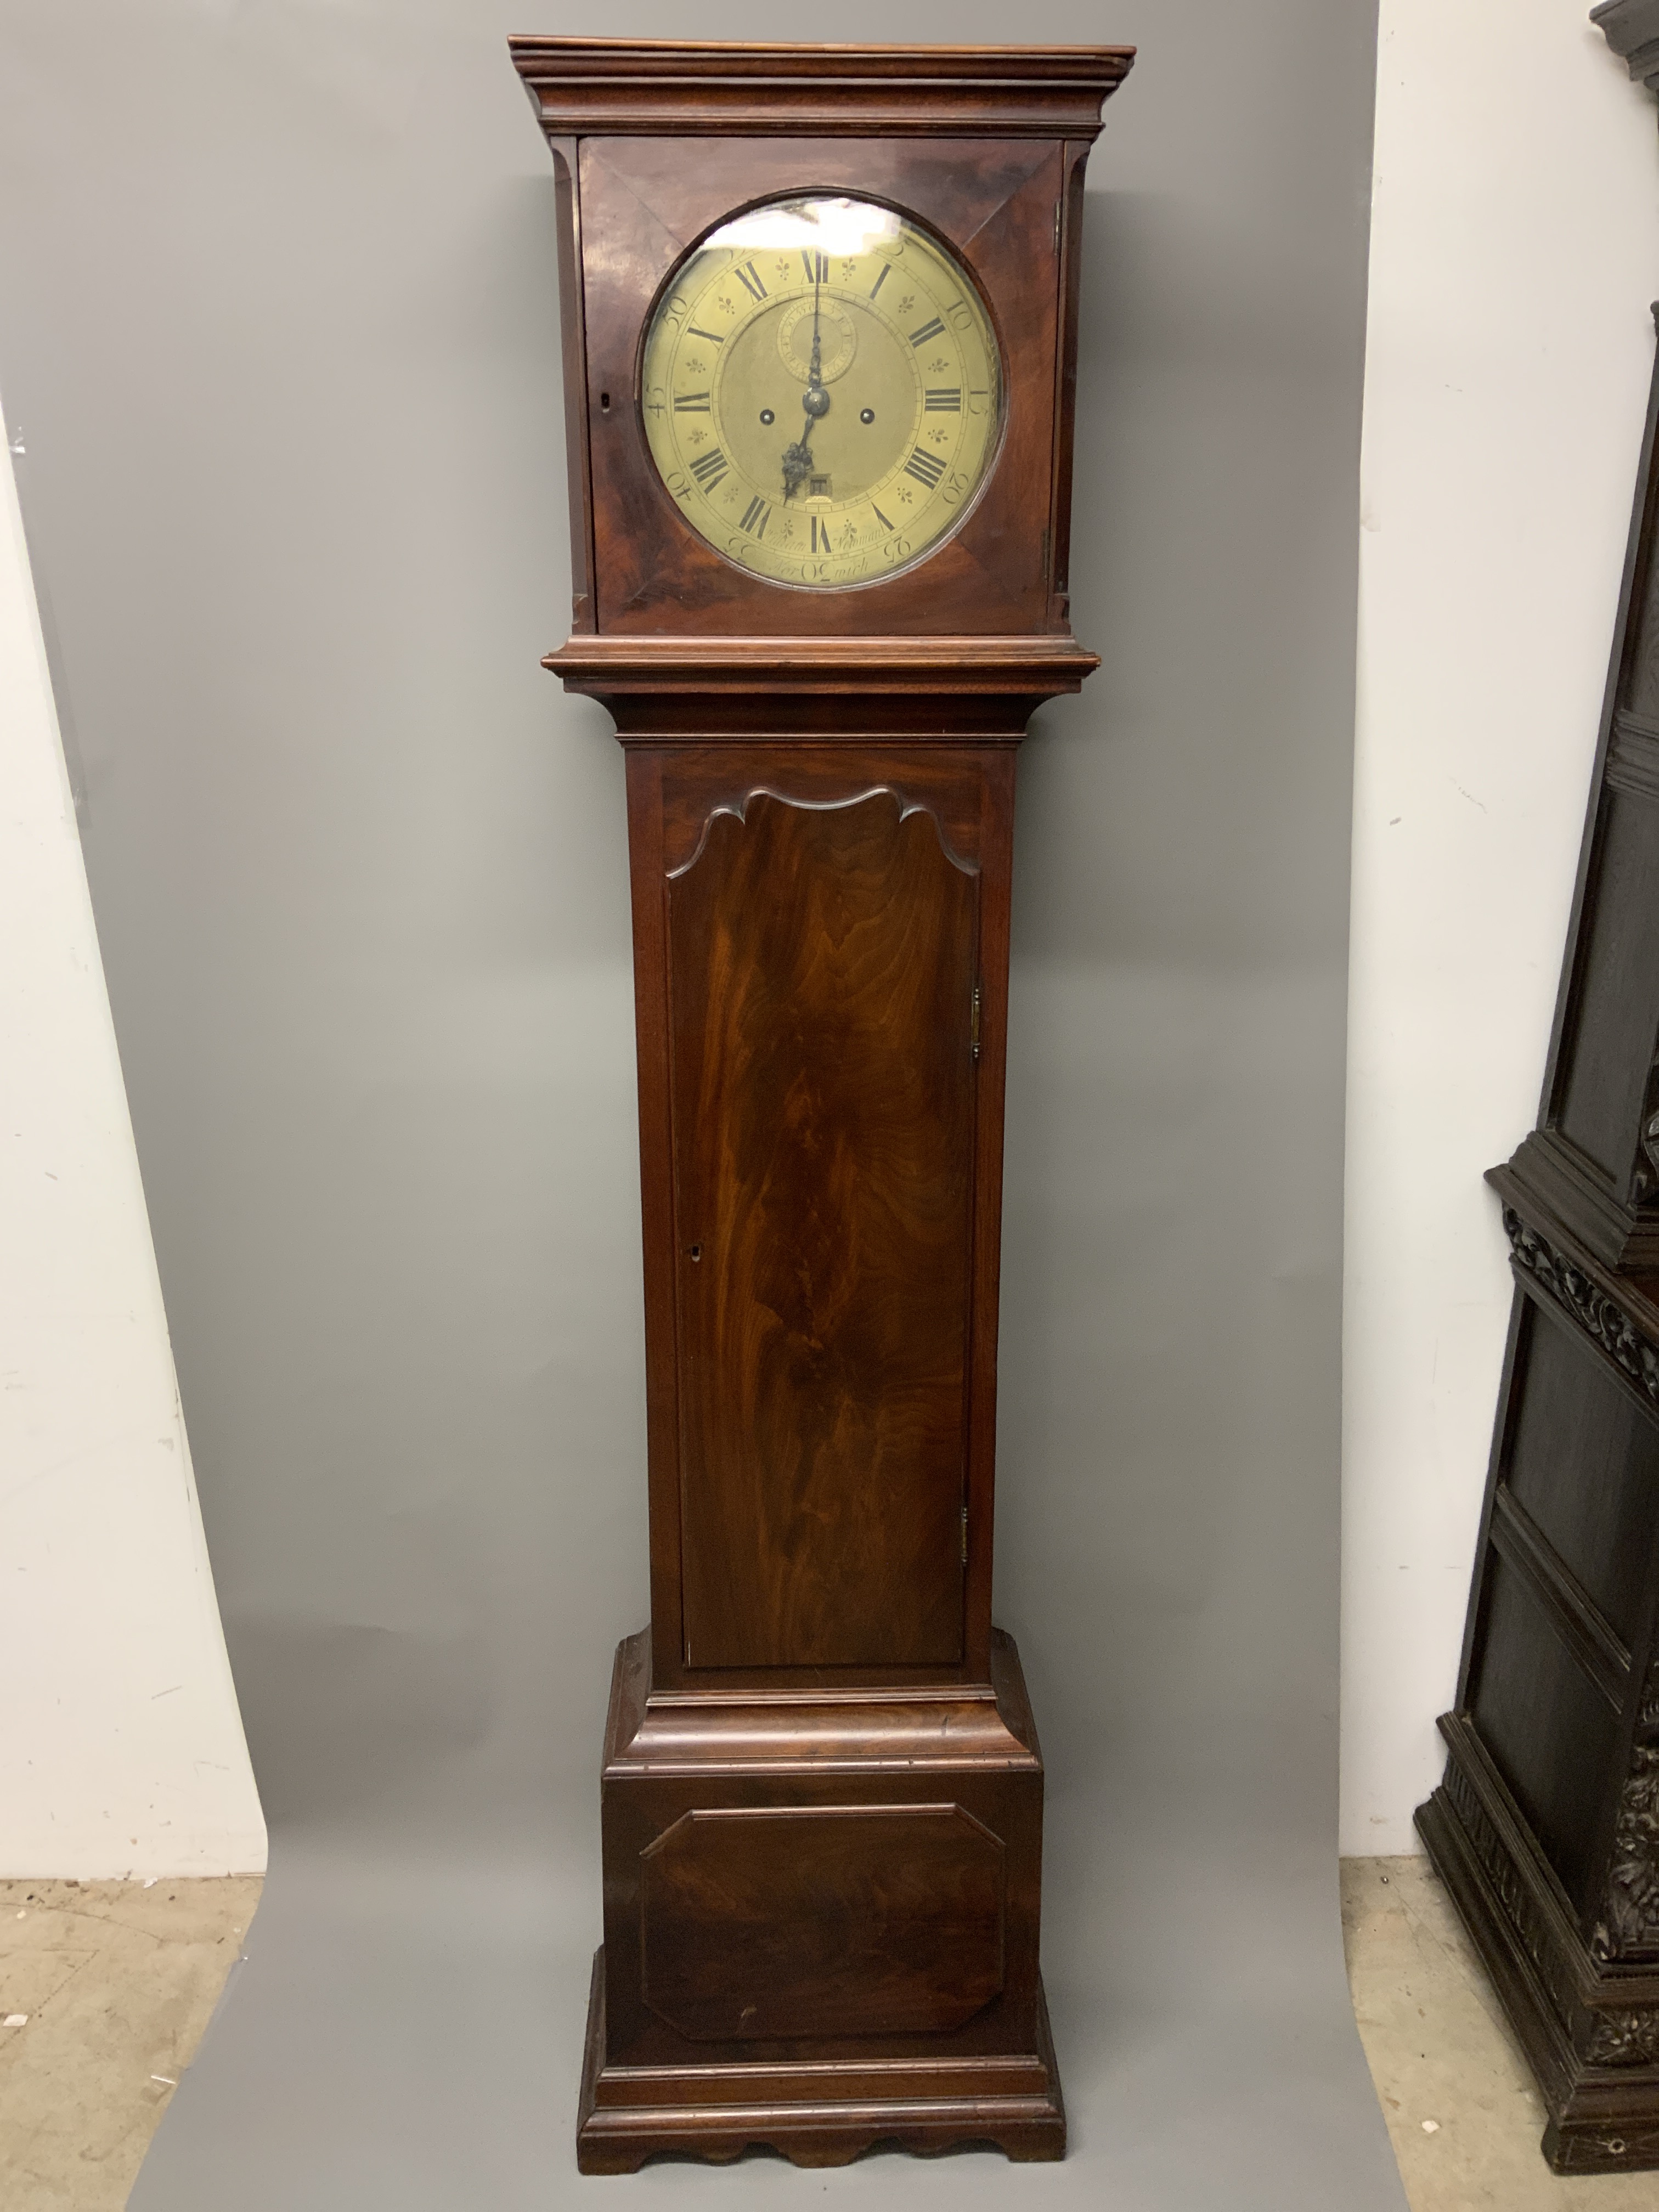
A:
[973,1023]
[964,1536]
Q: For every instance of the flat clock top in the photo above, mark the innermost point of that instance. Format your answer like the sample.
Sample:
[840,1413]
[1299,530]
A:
[657,85]
[821,391]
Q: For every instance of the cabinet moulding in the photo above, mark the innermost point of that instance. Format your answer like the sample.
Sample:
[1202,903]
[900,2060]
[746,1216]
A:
[1595,1309]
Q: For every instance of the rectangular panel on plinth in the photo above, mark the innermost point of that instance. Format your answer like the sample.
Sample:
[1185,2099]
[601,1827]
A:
[822,1923]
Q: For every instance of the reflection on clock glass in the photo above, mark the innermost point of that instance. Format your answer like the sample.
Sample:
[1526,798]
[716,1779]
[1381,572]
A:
[821,391]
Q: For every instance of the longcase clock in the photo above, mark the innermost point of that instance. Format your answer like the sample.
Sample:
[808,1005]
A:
[820,321]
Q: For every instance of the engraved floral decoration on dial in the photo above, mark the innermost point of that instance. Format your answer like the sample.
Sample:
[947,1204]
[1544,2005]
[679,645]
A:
[821,391]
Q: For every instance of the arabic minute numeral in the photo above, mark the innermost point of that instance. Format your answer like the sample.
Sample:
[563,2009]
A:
[924,468]
[752,283]
[696,403]
[937,401]
[755,516]
[927,331]
[710,469]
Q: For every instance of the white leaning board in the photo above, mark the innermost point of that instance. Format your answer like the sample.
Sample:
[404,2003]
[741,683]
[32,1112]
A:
[121,1747]
[1514,250]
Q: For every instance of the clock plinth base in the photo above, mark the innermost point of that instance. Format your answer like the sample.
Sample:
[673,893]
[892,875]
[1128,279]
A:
[821,1913]
[716,2113]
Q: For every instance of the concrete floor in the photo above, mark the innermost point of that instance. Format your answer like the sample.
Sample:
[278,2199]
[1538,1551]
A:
[115,1983]
[1463,2113]
[105,1990]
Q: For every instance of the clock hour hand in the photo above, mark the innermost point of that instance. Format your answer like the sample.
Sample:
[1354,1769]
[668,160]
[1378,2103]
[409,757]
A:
[797,458]
[797,463]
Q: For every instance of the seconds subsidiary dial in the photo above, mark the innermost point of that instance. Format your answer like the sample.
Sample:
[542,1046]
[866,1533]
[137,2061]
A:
[821,391]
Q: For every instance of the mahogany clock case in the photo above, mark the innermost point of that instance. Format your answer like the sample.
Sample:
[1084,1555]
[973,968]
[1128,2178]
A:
[822,1792]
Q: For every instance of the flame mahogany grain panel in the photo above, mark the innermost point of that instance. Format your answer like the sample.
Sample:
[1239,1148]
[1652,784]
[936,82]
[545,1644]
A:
[859,1155]
[823,966]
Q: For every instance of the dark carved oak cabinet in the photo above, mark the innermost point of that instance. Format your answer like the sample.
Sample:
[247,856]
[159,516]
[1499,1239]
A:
[1546,1825]
[819,312]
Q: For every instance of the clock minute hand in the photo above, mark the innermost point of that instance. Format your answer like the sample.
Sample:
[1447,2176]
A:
[814,380]
[797,458]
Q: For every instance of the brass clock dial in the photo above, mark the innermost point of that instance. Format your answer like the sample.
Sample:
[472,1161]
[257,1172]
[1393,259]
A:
[821,391]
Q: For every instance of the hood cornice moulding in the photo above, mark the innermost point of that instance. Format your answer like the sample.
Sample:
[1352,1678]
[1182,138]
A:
[622,87]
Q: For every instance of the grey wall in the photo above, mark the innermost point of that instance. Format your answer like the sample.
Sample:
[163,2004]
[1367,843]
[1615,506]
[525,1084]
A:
[279,317]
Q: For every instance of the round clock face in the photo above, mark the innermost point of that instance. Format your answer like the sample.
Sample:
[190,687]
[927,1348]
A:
[821,391]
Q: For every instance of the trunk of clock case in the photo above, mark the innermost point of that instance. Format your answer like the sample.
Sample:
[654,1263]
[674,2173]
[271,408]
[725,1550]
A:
[822,1792]
[821,935]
